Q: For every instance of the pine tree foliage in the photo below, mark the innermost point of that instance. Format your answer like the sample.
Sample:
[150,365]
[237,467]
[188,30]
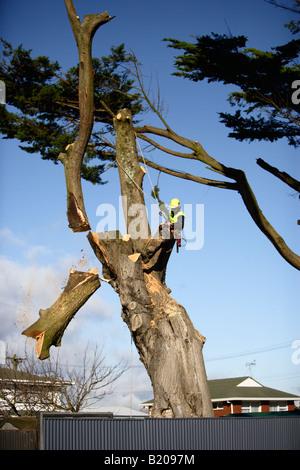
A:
[42,109]
[263,79]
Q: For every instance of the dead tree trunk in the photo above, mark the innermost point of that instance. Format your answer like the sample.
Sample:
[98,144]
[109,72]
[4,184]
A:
[169,346]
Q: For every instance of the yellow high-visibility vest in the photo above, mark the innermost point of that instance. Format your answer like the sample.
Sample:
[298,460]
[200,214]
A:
[174,218]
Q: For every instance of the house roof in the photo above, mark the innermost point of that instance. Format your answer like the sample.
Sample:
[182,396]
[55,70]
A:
[19,375]
[242,388]
[11,375]
[245,388]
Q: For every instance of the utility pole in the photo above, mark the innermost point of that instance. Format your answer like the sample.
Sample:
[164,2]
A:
[16,361]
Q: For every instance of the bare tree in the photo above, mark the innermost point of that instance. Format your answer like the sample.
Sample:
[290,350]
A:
[85,383]
[24,392]
[51,385]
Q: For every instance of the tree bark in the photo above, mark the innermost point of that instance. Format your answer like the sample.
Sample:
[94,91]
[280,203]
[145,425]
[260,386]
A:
[48,330]
[168,344]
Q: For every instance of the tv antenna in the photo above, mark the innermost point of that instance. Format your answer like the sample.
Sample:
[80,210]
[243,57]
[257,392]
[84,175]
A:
[249,365]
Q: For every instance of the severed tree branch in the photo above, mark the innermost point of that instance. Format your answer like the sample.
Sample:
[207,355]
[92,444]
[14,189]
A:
[50,327]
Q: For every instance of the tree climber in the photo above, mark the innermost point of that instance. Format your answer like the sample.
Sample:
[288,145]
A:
[176,220]
[175,217]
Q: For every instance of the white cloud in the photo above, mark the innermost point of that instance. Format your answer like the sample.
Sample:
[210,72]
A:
[35,251]
[23,290]
[26,288]
[6,235]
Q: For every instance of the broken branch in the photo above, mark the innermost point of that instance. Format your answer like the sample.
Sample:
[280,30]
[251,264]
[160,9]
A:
[48,330]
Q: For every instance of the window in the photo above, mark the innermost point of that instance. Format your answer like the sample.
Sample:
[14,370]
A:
[218,405]
[250,407]
[278,406]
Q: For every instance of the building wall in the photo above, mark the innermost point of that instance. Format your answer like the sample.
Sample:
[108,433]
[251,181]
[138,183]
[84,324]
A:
[236,408]
[265,406]
[30,401]
[226,410]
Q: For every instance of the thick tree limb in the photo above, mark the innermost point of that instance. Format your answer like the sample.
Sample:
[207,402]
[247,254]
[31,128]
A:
[188,176]
[263,224]
[72,159]
[198,151]
[240,184]
[49,328]
[282,175]
[131,176]
[165,149]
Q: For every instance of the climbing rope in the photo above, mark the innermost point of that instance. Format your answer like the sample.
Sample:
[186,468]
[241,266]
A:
[153,191]
[141,189]
[151,199]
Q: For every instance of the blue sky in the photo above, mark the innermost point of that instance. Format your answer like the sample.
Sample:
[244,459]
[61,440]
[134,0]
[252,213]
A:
[240,294]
